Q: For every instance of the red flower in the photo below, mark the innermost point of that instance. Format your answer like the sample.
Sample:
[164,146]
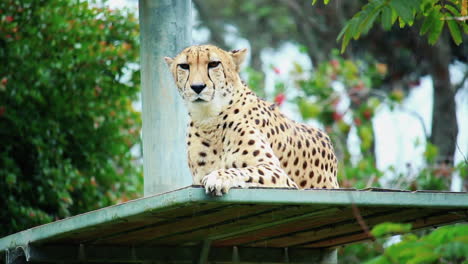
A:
[367,114]
[335,64]
[9,18]
[2,110]
[335,101]
[279,98]
[4,80]
[337,116]
[277,70]
[357,121]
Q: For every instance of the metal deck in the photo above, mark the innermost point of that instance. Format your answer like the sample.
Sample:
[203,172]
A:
[247,224]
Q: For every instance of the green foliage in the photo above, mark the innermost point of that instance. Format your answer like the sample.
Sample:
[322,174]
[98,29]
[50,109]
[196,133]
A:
[359,253]
[448,244]
[431,152]
[66,118]
[433,14]
[255,80]
[390,228]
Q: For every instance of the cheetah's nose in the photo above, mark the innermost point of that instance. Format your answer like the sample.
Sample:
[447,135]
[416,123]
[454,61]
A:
[198,87]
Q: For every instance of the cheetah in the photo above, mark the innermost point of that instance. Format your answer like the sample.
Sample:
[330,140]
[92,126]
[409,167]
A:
[236,139]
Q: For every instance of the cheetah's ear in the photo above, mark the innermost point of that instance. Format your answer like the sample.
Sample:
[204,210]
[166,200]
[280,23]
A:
[169,61]
[238,56]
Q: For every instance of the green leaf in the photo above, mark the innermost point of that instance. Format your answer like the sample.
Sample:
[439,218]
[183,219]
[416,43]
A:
[373,10]
[465,27]
[413,4]
[390,228]
[423,257]
[387,18]
[324,1]
[453,10]
[343,31]
[378,260]
[454,31]
[308,109]
[401,22]
[429,20]
[354,27]
[437,27]
[345,35]
[394,16]
[403,9]
[453,250]
[431,152]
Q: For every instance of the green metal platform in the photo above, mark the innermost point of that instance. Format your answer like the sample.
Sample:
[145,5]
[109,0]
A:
[247,225]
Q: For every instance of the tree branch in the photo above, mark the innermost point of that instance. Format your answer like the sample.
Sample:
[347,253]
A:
[216,29]
[462,82]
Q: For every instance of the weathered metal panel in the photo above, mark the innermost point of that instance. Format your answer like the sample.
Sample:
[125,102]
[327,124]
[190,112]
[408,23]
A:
[108,215]
[337,229]
[249,218]
[247,224]
[331,215]
[165,28]
[122,226]
[181,226]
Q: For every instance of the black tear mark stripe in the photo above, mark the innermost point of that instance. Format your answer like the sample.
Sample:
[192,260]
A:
[224,72]
[209,77]
[188,77]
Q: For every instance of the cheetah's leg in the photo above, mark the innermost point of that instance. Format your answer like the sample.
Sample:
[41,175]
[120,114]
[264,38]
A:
[221,181]
[249,162]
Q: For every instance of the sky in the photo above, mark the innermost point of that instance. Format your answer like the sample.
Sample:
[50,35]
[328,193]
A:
[396,131]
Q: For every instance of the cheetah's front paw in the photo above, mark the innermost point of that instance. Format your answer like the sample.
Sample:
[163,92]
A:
[218,184]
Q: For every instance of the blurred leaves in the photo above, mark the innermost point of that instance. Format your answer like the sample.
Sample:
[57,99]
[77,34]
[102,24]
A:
[448,244]
[389,229]
[434,14]
[67,123]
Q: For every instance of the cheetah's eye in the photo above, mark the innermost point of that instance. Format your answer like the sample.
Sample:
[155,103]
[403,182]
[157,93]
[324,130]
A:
[184,66]
[213,64]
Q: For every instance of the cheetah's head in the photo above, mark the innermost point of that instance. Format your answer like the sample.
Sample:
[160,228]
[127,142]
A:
[206,76]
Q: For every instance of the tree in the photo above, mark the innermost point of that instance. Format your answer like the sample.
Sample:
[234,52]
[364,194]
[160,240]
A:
[67,125]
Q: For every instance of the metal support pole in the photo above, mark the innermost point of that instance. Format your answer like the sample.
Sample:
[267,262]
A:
[15,256]
[329,256]
[165,28]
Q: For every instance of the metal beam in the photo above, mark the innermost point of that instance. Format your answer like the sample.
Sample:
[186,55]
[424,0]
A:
[205,251]
[15,256]
[165,28]
[104,254]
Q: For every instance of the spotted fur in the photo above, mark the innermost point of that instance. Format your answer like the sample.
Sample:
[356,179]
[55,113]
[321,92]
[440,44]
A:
[236,139]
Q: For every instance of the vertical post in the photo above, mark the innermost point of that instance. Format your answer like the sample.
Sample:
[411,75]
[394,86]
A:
[329,256]
[165,28]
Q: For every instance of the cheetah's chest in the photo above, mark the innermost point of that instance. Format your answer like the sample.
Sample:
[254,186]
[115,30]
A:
[204,153]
